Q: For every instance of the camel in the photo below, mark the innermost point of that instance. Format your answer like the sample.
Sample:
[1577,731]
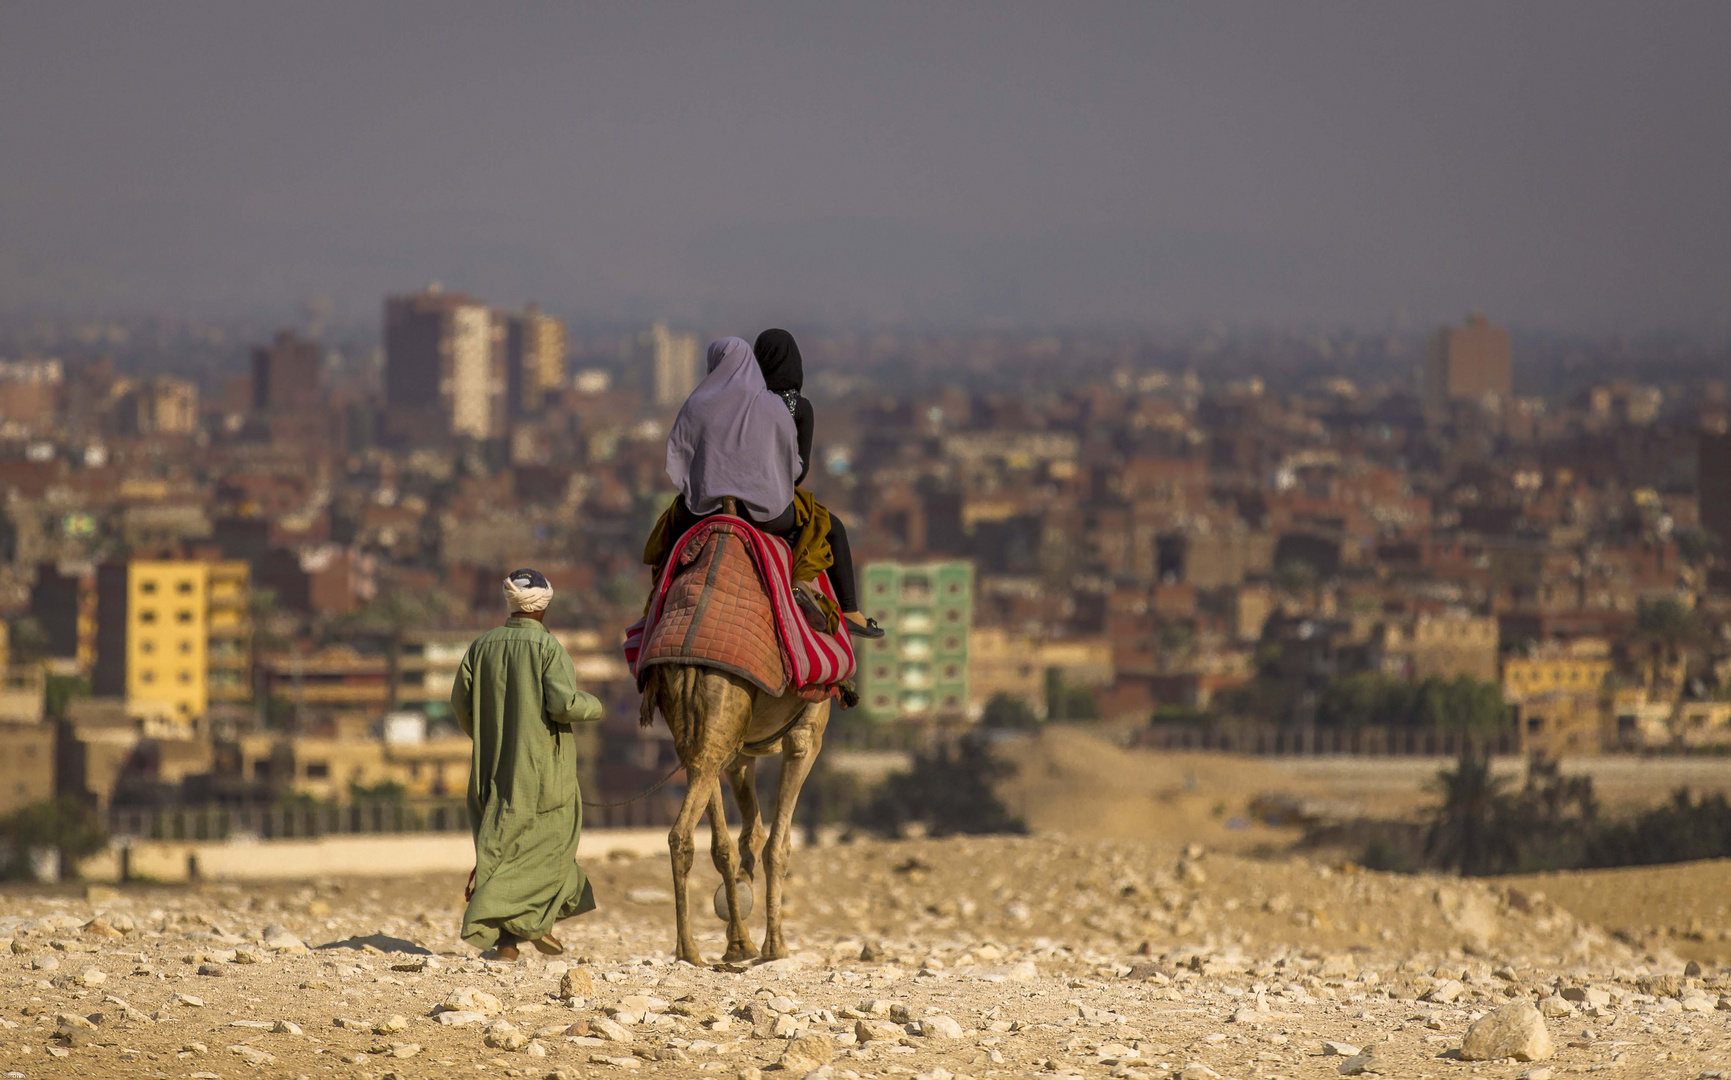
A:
[721,725]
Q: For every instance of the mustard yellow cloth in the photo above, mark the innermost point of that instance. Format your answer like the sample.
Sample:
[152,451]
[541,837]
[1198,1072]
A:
[811,551]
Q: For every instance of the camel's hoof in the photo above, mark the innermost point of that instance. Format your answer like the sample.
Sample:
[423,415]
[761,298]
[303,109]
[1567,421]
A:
[736,955]
[695,959]
[745,900]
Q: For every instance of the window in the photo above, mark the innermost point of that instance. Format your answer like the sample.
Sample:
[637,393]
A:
[147,676]
[955,588]
[186,678]
[316,770]
[147,647]
[147,587]
[261,769]
[949,671]
[184,615]
[147,616]
[184,588]
[953,615]
[880,672]
[186,645]
[951,644]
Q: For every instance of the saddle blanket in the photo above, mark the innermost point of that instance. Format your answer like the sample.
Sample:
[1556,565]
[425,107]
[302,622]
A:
[726,601]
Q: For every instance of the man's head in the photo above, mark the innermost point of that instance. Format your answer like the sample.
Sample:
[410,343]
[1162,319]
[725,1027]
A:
[527,593]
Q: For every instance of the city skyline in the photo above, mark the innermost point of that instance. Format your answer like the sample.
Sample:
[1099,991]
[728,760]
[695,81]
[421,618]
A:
[1096,166]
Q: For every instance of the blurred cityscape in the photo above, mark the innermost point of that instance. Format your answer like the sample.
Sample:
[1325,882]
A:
[239,570]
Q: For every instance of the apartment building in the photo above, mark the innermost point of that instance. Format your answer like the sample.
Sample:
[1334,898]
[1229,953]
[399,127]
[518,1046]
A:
[919,668]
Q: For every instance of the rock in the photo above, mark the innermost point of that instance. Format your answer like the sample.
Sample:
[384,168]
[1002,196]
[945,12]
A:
[786,1027]
[278,939]
[505,1037]
[871,953]
[459,1017]
[286,1027]
[247,956]
[100,927]
[940,1027]
[577,983]
[1445,992]
[1513,1031]
[469,999]
[611,1030]
[213,971]
[1362,1063]
[1339,1049]
[189,1000]
[93,977]
[391,1026]
[1197,1071]
[638,1003]
[1543,1072]
[1555,1006]
[405,1050]
[1692,970]
[806,1053]
[252,1055]
[1695,1001]
[50,962]
[876,1030]
[1662,985]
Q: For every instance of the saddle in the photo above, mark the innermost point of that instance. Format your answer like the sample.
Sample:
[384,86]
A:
[725,600]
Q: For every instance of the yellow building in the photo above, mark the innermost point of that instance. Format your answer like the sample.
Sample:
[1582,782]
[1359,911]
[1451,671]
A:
[1526,677]
[159,622]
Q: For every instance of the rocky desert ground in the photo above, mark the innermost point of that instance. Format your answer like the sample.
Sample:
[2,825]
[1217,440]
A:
[1001,956]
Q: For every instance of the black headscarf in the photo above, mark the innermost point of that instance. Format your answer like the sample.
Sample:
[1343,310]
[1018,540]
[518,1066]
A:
[778,356]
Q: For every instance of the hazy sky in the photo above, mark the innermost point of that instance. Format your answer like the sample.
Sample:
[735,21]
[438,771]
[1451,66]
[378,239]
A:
[1562,165]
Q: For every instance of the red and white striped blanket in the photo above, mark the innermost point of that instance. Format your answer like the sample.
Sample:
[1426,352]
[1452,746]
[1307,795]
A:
[815,661]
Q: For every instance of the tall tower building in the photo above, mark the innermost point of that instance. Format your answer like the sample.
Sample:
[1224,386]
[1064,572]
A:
[285,374]
[534,359]
[678,365]
[1467,362]
[444,366]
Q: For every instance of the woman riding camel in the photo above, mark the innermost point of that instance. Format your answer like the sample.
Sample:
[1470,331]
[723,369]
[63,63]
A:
[735,438]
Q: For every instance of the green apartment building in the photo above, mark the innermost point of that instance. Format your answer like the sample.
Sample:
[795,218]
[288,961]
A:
[919,668]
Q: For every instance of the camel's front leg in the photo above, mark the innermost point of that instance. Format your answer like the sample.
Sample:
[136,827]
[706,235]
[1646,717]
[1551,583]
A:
[799,749]
[726,859]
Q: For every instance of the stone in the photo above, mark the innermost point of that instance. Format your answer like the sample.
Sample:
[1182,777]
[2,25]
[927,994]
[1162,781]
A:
[404,1050]
[1514,1031]
[577,983]
[459,1017]
[806,1053]
[49,962]
[1662,986]
[252,1055]
[940,1027]
[1196,1071]
[93,977]
[1543,1072]
[1339,1049]
[786,1027]
[1555,1006]
[611,1030]
[638,1003]
[470,999]
[278,939]
[871,1030]
[505,1037]
[189,1001]
[213,971]
[100,927]
[286,1027]
[1362,1063]
[871,953]
[391,1025]
[1695,1001]
[1445,992]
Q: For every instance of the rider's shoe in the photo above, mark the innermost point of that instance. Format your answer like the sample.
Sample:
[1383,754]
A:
[870,629]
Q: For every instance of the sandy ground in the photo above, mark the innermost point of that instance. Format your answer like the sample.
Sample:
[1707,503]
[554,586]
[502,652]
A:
[1051,956]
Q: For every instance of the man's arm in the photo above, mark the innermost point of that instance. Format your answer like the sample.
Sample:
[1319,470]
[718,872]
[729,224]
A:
[565,704]
[461,688]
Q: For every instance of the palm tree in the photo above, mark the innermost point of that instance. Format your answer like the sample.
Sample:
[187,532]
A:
[1468,832]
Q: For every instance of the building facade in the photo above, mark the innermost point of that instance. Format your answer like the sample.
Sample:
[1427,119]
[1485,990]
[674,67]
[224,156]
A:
[534,359]
[1468,362]
[678,365]
[285,374]
[444,367]
[919,668]
[172,636]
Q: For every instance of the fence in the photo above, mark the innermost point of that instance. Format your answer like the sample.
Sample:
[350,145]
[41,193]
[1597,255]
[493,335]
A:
[1277,740]
[307,820]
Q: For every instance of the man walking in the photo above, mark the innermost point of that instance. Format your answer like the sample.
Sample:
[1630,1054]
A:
[516,696]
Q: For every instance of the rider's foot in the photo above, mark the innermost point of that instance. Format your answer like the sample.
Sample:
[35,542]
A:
[855,628]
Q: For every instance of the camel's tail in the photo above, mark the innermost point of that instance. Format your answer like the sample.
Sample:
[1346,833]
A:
[672,689]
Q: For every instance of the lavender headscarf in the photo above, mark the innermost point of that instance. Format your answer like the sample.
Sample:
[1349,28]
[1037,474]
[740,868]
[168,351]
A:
[734,437]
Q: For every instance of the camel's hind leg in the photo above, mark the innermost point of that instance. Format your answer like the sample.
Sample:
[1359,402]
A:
[742,777]
[799,750]
[707,711]
[726,859]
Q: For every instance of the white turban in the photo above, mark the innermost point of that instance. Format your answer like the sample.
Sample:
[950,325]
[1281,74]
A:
[527,590]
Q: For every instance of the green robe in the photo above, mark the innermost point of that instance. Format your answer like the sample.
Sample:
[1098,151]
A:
[516,696]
